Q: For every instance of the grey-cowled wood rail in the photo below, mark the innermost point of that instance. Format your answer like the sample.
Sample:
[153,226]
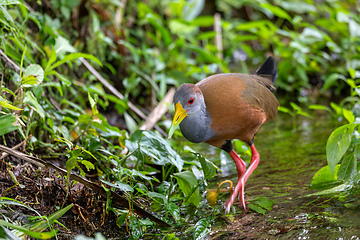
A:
[228,106]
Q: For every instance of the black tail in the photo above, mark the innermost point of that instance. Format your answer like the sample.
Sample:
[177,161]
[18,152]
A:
[268,69]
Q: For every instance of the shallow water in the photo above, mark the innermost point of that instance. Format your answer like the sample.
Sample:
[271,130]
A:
[288,161]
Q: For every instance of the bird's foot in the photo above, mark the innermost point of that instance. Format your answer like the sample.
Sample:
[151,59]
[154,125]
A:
[227,205]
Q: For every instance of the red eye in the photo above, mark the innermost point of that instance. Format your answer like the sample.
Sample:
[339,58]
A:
[191,101]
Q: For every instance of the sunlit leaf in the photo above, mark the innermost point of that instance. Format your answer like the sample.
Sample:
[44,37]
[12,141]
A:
[348,115]
[338,143]
[8,105]
[323,177]
[277,11]
[31,72]
[192,9]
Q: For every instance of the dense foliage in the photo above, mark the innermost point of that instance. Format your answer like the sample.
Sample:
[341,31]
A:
[143,48]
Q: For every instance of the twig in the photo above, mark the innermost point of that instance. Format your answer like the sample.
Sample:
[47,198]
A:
[4,154]
[218,38]
[159,110]
[120,200]
[7,60]
[117,93]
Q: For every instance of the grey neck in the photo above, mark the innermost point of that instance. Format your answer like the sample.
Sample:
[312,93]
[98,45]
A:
[196,127]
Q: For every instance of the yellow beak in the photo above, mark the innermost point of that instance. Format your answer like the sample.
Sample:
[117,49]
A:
[180,114]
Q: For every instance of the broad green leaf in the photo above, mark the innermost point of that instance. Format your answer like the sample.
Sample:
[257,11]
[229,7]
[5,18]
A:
[323,177]
[154,146]
[208,167]
[348,168]
[201,229]
[8,124]
[187,181]
[34,70]
[264,202]
[338,143]
[63,46]
[157,195]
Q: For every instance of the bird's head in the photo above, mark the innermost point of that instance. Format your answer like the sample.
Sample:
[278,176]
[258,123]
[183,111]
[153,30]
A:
[188,100]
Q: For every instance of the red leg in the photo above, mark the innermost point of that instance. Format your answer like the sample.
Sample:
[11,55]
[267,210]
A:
[243,177]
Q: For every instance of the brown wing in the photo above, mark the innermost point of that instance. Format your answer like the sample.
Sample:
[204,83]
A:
[238,105]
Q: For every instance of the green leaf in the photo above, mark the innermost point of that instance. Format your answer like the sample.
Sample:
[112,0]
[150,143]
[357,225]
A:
[338,143]
[319,107]
[8,124]
[119,185]
[323,177]
[256,208]
[192,9]
[201,229]
[155,195]
[34,234]
[348,115]
[9,2]
[31,72]
[284,109]
[331,80]
[348,168]
[42,225]
[174,211]
[154,146]
[3,103]
[187,181]
[30,98]
[277,11]
[264,202]
[74,56]
[208,167]
[63,46]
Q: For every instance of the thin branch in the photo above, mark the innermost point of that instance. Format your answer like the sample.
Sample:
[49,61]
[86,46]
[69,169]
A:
[159,110]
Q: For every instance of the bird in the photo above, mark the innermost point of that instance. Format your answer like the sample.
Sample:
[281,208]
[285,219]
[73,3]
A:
[228,106]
